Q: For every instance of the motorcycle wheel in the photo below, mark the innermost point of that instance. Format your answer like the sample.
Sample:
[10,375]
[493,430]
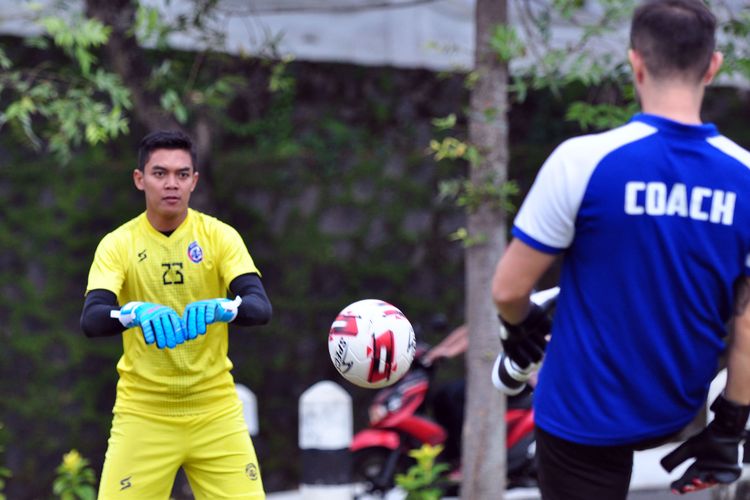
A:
[368,469]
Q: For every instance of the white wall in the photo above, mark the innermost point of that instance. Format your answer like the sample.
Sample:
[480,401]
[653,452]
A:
[358,31]
[433,34]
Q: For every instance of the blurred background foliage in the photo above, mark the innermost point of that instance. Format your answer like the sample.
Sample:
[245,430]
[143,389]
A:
[325,170]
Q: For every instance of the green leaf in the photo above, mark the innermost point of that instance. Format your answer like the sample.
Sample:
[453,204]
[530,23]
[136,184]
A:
[58,486]
[95,134]
[471,80]
[58,29]
[172,102]
[473,156]
[599,116]
[76,36]
[506,43]
[87,493]
[448,147]
[567,8]
[446,123]
[279,80]
[85,59]
[5,62]
[37,42]
[91,33]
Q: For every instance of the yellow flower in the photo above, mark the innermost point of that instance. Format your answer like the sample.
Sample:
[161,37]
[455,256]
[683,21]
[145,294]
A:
[72,461]
[425,456]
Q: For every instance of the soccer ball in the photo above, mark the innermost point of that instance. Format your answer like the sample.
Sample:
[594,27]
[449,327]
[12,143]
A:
[371,343]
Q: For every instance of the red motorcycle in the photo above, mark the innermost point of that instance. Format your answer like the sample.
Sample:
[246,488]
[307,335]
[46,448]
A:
[399,423]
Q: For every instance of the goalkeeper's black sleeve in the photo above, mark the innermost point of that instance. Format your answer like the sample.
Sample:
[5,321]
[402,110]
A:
[255,308]
[95,320]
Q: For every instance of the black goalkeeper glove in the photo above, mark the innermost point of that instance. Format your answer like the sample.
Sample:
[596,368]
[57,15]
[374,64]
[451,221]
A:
[715,449]
[525,342]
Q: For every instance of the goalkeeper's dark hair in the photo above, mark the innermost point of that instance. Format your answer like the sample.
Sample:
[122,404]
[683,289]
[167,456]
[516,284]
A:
[165,139]
[676,38]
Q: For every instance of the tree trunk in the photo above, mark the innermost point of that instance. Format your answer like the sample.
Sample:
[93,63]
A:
[483,454]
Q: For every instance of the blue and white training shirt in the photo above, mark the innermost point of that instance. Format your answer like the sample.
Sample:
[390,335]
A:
[653,219]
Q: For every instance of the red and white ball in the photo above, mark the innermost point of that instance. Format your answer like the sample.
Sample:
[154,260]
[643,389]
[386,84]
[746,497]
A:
[371,343]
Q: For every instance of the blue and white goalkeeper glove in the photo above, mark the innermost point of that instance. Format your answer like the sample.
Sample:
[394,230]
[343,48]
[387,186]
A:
[160,324]
[202,313]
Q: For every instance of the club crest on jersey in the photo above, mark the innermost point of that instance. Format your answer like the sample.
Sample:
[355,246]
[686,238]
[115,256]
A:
[195,252]
[252,471]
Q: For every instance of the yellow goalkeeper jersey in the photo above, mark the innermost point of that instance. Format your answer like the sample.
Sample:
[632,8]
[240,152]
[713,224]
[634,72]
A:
[197,261]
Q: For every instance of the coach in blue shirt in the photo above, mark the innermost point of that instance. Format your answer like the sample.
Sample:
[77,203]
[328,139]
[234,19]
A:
[653,222]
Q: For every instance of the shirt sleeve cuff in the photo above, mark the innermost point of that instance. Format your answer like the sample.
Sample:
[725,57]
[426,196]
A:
[537,245]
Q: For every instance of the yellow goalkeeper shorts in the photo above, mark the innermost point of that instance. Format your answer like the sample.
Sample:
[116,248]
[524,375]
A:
[145,452]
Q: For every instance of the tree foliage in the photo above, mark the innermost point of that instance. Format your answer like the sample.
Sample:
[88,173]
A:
[57,106]
[116,68]
[584,44]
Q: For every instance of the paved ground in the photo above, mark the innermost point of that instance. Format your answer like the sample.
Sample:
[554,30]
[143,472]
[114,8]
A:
[666,495]
[526,494]
[649,482]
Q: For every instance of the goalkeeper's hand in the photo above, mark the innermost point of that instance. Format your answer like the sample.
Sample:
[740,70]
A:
[715,449]
[159,324]
[202,313]
[526,342]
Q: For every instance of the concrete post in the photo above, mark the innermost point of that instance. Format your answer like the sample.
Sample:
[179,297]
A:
[325,434]
[249,408]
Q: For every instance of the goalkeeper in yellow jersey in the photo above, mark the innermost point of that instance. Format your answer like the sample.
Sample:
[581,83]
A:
[169,281]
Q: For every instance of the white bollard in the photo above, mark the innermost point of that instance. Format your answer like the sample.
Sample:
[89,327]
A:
[249,408]
[325,434]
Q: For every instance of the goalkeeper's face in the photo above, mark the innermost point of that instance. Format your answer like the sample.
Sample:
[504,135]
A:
[167,179]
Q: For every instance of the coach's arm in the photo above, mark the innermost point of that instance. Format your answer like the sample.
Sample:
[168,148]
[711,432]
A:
[738,360]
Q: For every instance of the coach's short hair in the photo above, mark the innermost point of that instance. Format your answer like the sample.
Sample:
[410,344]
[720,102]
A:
[165,139]
[675,38]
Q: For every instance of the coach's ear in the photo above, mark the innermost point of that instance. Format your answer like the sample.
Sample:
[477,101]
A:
[637,66]
[138,179]
[717,58]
